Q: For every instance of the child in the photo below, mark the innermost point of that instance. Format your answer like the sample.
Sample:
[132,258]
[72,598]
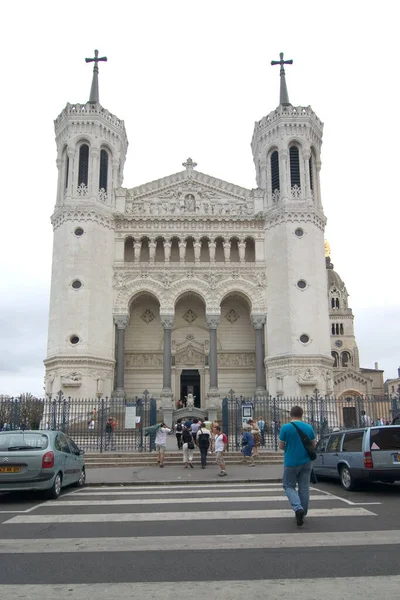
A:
[247,445]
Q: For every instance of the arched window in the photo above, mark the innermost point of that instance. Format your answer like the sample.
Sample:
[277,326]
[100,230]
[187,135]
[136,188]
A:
[129,250]
[346,359]
[83,173]
[294,166]
[341,329]
[250,254]
[337,303]
[335,356]
[103,179]
[66,166]
[310,167]
[275,186]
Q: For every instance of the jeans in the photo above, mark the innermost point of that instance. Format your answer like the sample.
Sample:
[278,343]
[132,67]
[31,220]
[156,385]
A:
[203,455]
[299,475]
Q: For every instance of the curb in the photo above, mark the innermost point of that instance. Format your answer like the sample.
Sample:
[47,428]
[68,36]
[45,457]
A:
[174,482]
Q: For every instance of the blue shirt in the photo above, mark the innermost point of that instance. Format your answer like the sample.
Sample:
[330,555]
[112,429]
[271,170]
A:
[295,453]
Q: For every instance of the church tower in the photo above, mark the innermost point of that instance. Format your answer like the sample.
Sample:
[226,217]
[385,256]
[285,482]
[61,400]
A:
[286,149]
[91,149]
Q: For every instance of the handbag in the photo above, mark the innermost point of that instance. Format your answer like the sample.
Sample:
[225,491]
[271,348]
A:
[190,445]
[309,448]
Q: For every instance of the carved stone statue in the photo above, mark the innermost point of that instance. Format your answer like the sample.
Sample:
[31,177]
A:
[190,400]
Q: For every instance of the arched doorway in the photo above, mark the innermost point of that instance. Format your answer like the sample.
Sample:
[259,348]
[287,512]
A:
[191,384]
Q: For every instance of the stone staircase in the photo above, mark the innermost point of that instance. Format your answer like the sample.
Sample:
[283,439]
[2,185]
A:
[97,460]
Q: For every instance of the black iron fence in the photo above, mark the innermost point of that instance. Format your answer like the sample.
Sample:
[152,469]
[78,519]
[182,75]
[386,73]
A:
[325,414]
[96,425]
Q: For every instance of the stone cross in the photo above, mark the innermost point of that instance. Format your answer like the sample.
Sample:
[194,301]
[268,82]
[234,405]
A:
[96,60]
[284,96]
[189,165]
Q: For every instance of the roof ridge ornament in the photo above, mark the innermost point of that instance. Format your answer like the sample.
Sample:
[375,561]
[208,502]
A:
[284,96]
[189,166]
[94,90]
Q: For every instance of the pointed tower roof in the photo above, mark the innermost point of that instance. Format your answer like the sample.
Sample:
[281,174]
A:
[284,96]
[94,90]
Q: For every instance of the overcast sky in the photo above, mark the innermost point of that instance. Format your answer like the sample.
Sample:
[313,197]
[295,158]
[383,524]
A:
[190,79]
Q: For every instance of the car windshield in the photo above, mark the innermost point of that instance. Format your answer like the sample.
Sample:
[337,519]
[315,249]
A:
[23,441]
[385,438]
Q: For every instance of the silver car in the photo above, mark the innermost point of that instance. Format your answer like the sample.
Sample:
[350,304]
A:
[356,455]
[40,461]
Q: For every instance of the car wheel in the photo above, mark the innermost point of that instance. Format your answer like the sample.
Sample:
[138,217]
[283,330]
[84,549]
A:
[82,478]
[55,489]
[347,479]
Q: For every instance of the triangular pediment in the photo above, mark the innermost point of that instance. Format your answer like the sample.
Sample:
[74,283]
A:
[190,192]
[350,375]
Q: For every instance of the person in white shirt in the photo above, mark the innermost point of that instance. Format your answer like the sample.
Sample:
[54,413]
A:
[161,441]
[366,420]
[220,445]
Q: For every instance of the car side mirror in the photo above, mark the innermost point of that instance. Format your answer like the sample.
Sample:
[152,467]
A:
[81,452]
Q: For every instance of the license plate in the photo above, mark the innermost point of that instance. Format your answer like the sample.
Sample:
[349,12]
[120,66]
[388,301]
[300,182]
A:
[10,469]
[396,458]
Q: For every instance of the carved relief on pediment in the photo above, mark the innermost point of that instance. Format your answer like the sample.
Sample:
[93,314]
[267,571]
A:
[189,356]
[189,197]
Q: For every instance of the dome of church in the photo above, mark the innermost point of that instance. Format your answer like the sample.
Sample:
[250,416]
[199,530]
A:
[334,279]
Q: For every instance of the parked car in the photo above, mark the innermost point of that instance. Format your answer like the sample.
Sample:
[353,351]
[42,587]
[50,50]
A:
[356,455]
[39,460]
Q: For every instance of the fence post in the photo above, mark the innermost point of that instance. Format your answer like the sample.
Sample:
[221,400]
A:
[102,424]
[276,423]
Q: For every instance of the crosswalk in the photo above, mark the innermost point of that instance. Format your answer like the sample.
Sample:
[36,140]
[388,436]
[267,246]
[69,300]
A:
[143,541]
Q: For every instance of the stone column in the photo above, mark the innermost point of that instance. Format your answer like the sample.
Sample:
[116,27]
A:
[182,251]
[167,251]
[167,322]
[115,174]
[306,167]
[94,170]
[137,246]
[212,323]
[242,250]
[258,322]
[227,251]
[211,248]
[263,174]
[121,321]
[166,392]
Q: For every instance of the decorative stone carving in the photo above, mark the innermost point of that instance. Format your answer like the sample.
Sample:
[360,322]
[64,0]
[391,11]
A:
[236,360]
[167,321]
[148,316]
[121,321]
[102,196]
[143,360]
[189,356]
[190,316]
[212,321]
[307,377]
[82,190]
[258,321]
[73,379]
[232,316]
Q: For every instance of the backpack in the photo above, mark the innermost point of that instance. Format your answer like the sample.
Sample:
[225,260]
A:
[179,427]
[225,439]
[203,440]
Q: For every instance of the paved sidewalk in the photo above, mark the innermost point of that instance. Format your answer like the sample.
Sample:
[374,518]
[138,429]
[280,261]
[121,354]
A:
[178,474]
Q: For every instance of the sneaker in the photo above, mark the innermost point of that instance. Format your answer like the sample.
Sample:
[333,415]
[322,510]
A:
[161,466]
[191,466]
[252,465]
[222,474]
[299,517]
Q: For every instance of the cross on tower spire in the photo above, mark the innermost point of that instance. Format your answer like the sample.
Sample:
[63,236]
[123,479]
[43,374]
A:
[284,96]
[94,90]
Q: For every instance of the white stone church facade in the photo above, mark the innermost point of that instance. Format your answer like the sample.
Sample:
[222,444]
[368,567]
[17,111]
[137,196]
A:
[190,283]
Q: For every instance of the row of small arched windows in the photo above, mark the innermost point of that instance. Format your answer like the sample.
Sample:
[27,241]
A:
[337,329]
[335,303]
[83,167]
[294,158]
[342,360]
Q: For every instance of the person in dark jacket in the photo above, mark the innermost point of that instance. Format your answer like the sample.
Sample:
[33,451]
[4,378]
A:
[188,447]
[203,443]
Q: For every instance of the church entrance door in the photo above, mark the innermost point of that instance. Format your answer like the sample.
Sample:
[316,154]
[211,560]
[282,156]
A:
[190,384]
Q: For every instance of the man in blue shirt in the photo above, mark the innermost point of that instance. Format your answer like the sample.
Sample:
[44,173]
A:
[297,464]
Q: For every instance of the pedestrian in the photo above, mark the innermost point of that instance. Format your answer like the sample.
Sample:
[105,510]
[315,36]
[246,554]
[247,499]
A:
[194,429]
[366,420]
[161,442]
[110,433]
[221,442]
[261,426]
[178,433]
[255,430]
[188,447]
[247,445]
[297,462]
[203,442]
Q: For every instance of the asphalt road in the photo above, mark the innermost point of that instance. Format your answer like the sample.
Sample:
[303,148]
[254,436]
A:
[143,540]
